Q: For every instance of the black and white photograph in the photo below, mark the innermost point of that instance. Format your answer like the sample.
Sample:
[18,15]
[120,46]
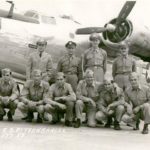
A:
[74,74]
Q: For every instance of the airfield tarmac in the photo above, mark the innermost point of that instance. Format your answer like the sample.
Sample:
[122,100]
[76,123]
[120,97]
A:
[20,135]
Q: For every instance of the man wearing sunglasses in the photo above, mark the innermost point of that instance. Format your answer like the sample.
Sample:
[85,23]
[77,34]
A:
[39,60]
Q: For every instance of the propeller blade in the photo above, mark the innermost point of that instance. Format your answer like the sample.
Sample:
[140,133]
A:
[90,30]
[125,11]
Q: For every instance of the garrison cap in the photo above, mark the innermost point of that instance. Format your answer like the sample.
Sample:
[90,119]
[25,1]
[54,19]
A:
[94,37]
[88,72]
[70,44]
[41,42]
[107,81]
[6,70]
[123,44]
[60,74]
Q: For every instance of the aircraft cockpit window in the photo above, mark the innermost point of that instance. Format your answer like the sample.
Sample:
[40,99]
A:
[31,14]
[48,20]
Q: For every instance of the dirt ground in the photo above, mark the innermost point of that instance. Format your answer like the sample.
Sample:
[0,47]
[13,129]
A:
[19,135]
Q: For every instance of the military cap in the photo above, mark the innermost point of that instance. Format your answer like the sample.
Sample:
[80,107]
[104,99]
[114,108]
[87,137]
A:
[123,44]
[60,74]
[88,72]
[94,36]
[6,70]
[107,81]
[70,44]
[37,72]
[41,42]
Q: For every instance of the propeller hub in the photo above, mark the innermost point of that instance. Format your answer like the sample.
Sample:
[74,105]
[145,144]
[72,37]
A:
[119,34]
[110,27]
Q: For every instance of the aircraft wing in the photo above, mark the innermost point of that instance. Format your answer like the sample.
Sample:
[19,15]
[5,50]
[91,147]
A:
[15,16]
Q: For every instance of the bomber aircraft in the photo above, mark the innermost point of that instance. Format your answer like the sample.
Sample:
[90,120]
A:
[18,36]
[19,33]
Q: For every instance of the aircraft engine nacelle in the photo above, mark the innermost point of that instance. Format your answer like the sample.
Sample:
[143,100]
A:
[137,35]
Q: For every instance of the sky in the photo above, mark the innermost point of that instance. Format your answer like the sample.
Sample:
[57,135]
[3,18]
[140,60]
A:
[88,12]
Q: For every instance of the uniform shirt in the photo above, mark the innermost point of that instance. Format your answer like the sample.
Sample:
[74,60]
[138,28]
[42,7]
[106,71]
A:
[115,97]
[66,90]
[95,57]
[123,65]
[9,89]
[43,63]
[139,96]
[35,93]
[85,91]
[69,65]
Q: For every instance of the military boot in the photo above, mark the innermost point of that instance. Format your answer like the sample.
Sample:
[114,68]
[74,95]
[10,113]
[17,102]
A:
[145,129]
[1,117]
[68,123]
[9,115]
[39,119]
[30,117]
[137,125]
[109,122]
[77,123]
[117,125]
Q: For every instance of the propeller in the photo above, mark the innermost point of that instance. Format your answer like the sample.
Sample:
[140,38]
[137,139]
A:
[90,30]
[125,11]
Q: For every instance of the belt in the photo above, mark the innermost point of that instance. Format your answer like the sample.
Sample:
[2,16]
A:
[70,73]
[95,66]
[123,73]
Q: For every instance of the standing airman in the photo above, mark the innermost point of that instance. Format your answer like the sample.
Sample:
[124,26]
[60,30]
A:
[123,65]
[95,58]
[70,65]
[39,60]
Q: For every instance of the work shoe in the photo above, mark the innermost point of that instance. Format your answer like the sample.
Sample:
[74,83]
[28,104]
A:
[77,123]
[9,115]
[107,125]
[117,125]
[29,117]
[145,129]
[85,121]
[39,119]
[1,117]
[24,118]
[68,123]
[109,122]
[54,122]
[137,126]
[99,122]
